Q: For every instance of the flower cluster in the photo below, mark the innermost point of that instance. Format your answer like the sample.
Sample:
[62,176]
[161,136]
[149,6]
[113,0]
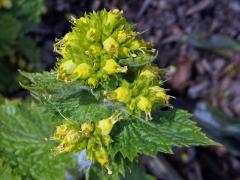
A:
[144,93]
[92,50]
[94,137]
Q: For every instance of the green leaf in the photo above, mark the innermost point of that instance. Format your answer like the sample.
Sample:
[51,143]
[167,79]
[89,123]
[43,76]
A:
[139,136]
[97,172]
[133,172]
[25,148]
[46,85]
[7,173]
[137,172]
[74,100]
[140,60]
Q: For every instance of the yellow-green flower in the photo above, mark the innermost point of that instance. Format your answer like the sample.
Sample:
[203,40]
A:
[122,37]
[61,132]
[87,128]
[147,73]
[93,82]
[159,94]
[111,19]
[67,67]
[101,156]
[144,104]
[93,50]
[92,35]
[122,94]
[111,67]
[82,71]
[135,45]
[92,136]
[150,72]
[71,137]
[111,46]
[106,125]
[124,52]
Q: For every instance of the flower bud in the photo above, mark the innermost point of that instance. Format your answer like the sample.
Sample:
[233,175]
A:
[91,35]
[122,94]
[144,104]
[71,137]
[95,49]
[67,67]
[111,46]
[87,128]
[159,93]
[61,132]
[83,71]
[163,96]
[122,37]
[113,18]
[106,126]
[124,52]
[93,82]
[54,151]
[111,67]
[148,74]
[69,148]
[83,20]
[101,156]
[135,45]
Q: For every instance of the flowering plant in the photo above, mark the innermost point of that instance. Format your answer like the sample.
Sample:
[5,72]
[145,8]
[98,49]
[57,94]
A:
[110,96]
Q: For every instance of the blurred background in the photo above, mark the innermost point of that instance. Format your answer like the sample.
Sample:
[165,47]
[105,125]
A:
[198,39]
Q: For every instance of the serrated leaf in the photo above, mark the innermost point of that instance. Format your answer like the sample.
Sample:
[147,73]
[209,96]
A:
[73,100]
[160,135]
[94,172]
[24,130]
[47,85]
[133,172]
[81,109]
[137,172]
[7,173]
[98,172]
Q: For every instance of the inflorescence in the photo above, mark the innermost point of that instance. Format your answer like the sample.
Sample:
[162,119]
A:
[92,52]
